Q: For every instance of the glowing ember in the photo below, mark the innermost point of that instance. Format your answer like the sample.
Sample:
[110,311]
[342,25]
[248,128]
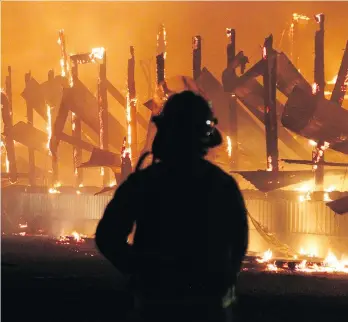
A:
[315,88]
[298,17]
[307,190]
[269,164]
[317,17]
[112,183]
[312,143]
[22,226]
[49,127]
[7,162]
[264,53]
[129,129]
[162,41]
[229,146]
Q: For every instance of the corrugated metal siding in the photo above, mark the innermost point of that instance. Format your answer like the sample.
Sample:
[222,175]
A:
[64,206]
[285,216]
[277,216]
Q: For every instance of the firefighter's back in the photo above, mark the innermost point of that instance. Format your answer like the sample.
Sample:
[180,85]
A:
[184,224]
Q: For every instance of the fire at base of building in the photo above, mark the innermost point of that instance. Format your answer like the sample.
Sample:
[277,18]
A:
[289,223]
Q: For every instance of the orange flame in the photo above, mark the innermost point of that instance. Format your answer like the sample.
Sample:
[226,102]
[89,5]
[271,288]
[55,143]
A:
[229,146]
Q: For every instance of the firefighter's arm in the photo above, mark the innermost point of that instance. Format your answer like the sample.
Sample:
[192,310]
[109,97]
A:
[114,228]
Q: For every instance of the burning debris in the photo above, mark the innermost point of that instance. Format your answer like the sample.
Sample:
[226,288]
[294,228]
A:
[73,239]
[303,262]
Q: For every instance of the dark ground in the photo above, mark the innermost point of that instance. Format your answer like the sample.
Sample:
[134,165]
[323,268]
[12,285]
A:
[42,281]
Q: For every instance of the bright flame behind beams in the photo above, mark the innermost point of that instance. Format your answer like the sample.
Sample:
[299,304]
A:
[55,190]
[162,41]
[97,53]
[128,148]
[7,162]
[229,146]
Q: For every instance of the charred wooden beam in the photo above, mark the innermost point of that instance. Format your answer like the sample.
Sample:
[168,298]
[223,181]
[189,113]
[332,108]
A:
[270,104]
[51,115]
[310,162]
[7,117]
[341,85]
[267,181]
[76,128]
[339,206]
[319,75]
[116,94]
[35,139]
[288,76]
[308,116]
[102,158]
[196,56]
[251,95]
[103,114]
[232,108]
[30,121]
[132,104]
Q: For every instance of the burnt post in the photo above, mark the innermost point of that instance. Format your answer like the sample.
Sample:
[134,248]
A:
[7,112]
[196,56]
[51,117]
[30,121]
[270,90]
[232,111]
[319,74]
[161,55]
[76,130]
[318,91]
[341,85]
[132,132]
[103,115]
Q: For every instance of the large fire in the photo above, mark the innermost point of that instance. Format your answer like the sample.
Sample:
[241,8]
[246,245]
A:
[306,262]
